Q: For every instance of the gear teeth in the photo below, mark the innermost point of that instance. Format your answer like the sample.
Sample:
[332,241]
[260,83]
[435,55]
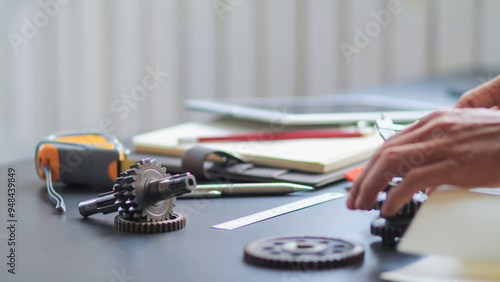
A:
[131,203]
[176,223]
[130,172]
[128,179]
[119,180]
[389,232]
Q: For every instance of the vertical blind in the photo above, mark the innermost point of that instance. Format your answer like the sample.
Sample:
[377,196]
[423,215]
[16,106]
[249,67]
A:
[126,66]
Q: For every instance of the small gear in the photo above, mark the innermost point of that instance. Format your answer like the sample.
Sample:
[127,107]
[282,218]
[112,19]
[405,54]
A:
[409,209]
[303,253]
[176,222]
[389,231]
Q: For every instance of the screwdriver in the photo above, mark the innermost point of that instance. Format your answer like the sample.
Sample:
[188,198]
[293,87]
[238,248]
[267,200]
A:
[81,158]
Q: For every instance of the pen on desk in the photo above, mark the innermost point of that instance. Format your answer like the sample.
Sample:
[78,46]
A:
[201,195]
[269,136]
[242,189]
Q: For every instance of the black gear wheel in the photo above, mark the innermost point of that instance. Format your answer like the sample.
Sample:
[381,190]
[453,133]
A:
[303,253]
[176,222]
[409,209]
[389,231]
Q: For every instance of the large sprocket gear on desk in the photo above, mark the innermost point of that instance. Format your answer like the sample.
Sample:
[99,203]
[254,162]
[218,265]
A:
[131,194]
[303,253]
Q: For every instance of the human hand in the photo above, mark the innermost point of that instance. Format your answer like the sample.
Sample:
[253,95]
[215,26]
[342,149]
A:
[457,147]
[486,95]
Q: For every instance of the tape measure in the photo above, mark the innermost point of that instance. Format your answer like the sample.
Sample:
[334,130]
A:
[280,210]
[84,158]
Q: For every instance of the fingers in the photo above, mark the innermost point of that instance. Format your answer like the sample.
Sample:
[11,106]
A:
[486,95]
[353,192]
[391,162]
[425,155]
[413,147]
[431,175]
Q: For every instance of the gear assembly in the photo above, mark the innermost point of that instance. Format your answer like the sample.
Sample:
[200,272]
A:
[144,197]
[391,229]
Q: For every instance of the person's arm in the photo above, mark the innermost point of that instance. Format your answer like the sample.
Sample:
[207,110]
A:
[457,147]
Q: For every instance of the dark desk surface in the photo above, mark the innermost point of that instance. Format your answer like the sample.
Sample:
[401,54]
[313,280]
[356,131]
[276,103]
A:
[51,247]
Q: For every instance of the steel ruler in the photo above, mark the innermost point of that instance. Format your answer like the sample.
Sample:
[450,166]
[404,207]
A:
[280,210]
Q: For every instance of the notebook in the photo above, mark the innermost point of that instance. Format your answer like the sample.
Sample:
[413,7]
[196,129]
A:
[311,155]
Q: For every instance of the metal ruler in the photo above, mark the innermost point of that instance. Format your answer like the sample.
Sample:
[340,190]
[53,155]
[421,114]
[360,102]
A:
[270,213]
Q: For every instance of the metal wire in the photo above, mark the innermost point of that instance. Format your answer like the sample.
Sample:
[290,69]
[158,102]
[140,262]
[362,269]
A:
[54,196]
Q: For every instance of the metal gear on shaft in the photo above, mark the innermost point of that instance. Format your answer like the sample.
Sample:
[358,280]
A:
[131,193]
[144,197]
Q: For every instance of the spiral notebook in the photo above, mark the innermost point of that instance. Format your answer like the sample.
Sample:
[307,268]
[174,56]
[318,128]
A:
[311,155]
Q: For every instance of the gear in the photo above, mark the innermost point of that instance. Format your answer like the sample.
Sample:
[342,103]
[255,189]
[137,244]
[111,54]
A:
[176,222]
[303,253]
[409,209]
[389,231]
[131,193]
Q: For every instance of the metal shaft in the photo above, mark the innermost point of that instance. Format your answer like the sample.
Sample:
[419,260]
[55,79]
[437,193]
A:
[104,203]
[157,190]
[174,186]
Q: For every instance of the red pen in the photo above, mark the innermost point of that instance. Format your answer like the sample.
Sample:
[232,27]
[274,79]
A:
[269,136]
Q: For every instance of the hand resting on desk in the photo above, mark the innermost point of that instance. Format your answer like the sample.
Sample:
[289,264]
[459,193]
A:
[457,147]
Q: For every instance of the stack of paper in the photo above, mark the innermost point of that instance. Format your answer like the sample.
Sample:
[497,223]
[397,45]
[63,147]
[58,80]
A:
[312,155]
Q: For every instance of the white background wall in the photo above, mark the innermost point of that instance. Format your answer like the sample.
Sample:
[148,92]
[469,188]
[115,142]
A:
[68,65]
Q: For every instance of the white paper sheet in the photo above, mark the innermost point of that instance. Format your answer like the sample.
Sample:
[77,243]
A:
[458,223]
[437,268]
[460,229]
